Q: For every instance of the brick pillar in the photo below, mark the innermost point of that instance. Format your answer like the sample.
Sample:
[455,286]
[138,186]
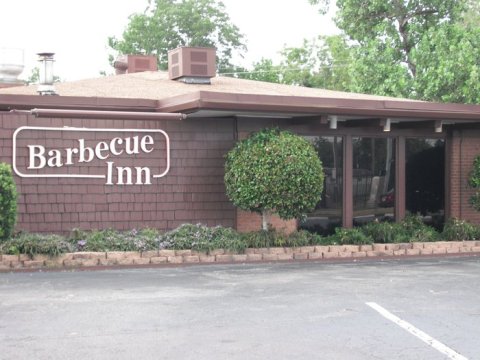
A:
[249,221]
[463,148]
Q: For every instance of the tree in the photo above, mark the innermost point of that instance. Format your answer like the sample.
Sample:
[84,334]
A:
[168,24]
[454,76]
[264,70]
[8,202]
[321,62]
[409,48]
[274,171]
[35,77]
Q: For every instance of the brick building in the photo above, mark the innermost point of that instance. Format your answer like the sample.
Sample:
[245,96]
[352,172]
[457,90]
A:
[146,148]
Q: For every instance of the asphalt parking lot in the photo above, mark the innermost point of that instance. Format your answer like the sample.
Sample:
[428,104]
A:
[409,309]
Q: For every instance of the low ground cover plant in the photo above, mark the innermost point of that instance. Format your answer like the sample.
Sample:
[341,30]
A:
[8,202]
[456,229]
[205,239]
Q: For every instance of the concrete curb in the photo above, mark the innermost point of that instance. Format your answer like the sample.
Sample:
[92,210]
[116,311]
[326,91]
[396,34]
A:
[332,253]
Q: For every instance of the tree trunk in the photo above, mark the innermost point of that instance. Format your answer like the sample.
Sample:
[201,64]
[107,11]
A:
[264,220]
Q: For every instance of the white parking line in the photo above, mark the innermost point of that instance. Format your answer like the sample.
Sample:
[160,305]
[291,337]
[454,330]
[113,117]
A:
[452,354]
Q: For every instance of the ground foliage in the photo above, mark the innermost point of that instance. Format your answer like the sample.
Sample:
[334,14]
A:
[205,239]
[474,182]
[8,201]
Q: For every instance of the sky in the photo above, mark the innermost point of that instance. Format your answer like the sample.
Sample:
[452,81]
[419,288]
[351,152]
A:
[77,31]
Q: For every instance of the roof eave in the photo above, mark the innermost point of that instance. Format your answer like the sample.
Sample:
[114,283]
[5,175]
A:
[210,100]
[27,102]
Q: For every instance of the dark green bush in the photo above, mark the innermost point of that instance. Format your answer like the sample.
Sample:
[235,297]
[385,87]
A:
[474,182]
[385,232]
[416,230]
[300,238]
[274,171]
[456,229]
[8,202]
[202,238]
[409,230]
[113,240]
[344,236]
[263,239]
[32,244]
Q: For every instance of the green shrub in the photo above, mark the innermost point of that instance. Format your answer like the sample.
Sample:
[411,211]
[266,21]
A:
[354,236]
[202,238]
[33,244]
[416,230]
[385,232]
[474,182]
[456,229]
[113,240]
[274,171]
[300,238]
[8,202]
[409,230]
[263,239]
[272,238]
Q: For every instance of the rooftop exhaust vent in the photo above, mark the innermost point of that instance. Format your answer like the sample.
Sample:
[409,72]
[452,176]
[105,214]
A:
[192,65]
[11,66]
[127,64]
[45,83]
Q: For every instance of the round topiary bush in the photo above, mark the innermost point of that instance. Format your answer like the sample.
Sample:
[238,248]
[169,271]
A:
[274,171]
[8,202]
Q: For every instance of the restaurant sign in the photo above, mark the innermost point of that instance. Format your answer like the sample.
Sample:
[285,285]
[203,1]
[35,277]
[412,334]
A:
[119,156]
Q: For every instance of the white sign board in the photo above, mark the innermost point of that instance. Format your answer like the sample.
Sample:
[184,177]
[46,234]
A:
[48,156]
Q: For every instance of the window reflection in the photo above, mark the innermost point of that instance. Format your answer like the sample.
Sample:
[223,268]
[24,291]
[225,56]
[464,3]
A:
[425,179]
[373,179]
[328,212]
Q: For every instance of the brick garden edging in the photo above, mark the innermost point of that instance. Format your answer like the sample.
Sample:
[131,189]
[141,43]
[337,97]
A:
[166,257]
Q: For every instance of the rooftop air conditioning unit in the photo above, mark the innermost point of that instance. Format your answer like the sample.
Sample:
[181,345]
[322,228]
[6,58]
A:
[127,64]
[193,65]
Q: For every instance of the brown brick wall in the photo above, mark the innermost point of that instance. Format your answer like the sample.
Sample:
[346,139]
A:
[463,148]
[192,191]
[249,221]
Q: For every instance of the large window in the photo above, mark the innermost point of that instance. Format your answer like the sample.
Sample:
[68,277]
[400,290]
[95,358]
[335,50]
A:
[328,212]
[425,179]
[373,179]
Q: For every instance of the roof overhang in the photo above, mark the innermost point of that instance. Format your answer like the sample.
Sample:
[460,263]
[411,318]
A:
[208,104]
[29,102]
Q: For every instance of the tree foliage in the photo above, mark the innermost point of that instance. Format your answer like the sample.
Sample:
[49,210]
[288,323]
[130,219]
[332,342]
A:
[421,49]
[168,24]
[34,77]
[8,202]
[320,62]
[455,75]
[274,171]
